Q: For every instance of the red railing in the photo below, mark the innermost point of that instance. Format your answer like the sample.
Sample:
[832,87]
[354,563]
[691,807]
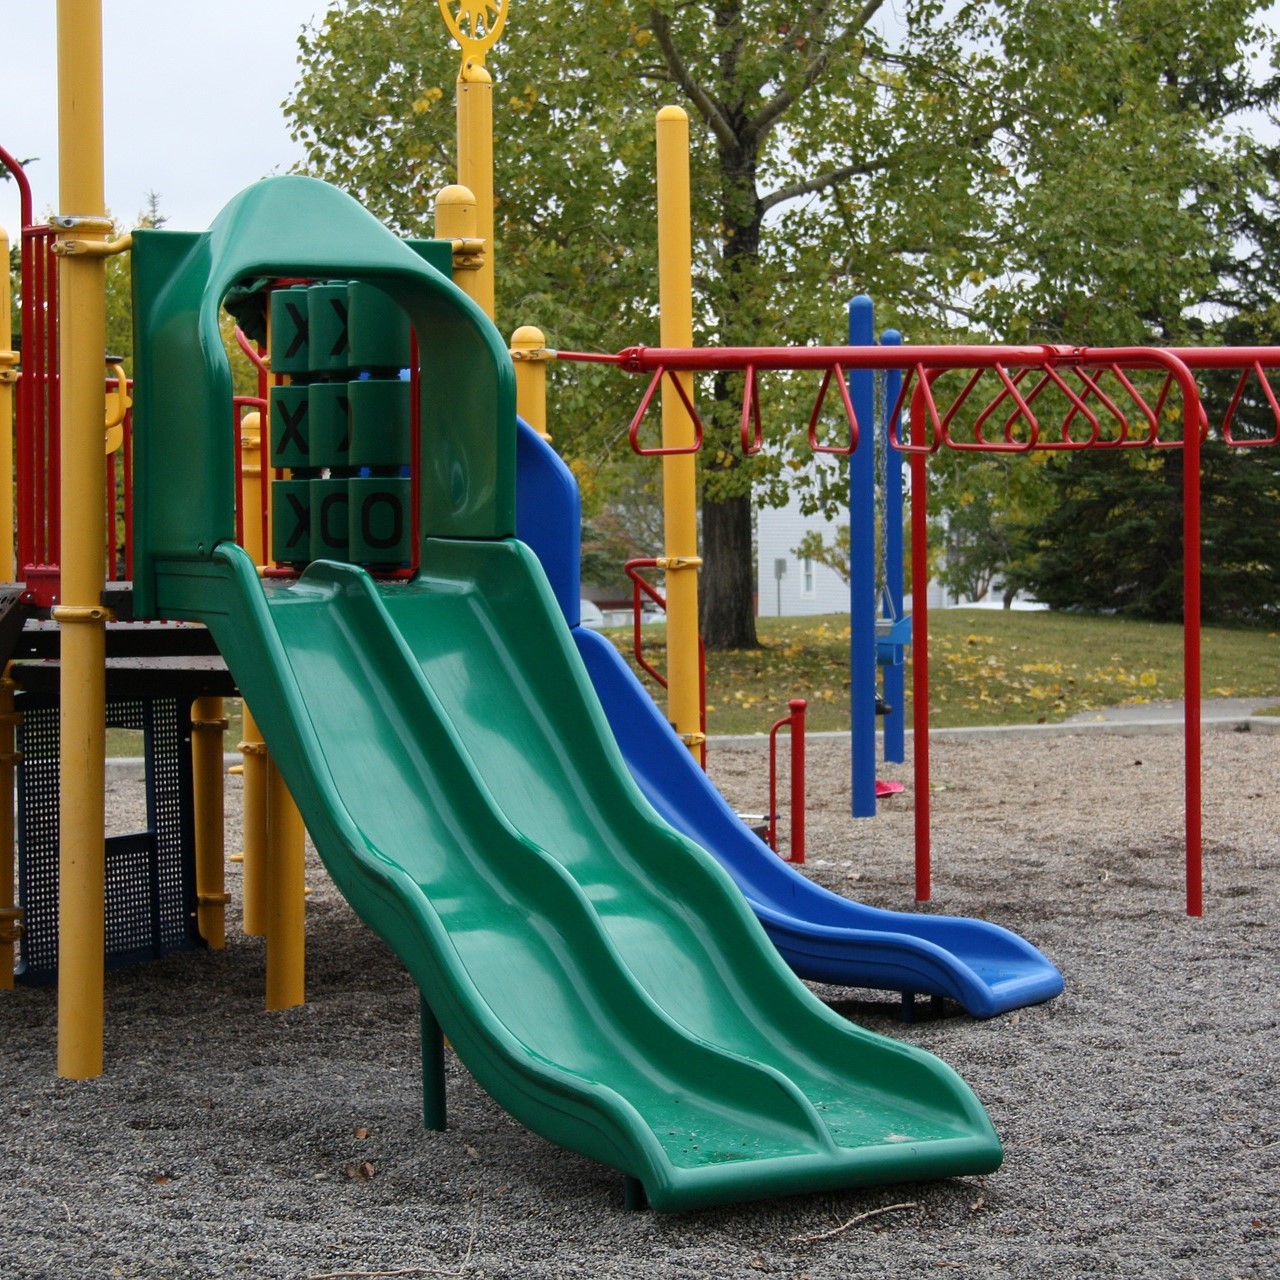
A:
[37,418]
[37,421]
[642,588]
[260,404]
[795,720]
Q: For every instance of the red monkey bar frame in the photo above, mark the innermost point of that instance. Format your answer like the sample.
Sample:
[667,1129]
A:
[1105,408]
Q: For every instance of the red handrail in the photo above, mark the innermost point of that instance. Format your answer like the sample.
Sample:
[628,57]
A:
[795,720]
[639,586]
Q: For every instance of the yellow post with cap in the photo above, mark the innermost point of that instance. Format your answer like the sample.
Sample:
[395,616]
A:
[679,471]
[457,220]
[80,614]
[475,164]
[283,875]
[476,28]
[530,354]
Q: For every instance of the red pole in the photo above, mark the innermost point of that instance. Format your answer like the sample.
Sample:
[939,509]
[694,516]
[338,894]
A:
[796,851]
[126,463]
[111,531]
[53,475]
[795,722]
[1191,645]
[920,645]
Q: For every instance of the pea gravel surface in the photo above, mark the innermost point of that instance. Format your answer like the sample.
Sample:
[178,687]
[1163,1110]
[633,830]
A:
[1140,1111]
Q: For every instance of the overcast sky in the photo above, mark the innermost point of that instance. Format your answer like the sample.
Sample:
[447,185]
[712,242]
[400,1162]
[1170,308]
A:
[192,95]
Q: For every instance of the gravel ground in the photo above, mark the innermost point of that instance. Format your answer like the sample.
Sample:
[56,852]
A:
[1138,1111]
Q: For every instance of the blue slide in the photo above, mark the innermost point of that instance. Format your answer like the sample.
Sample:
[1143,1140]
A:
[822,936]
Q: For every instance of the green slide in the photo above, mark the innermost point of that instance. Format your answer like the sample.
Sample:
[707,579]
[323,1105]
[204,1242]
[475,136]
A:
[596,971]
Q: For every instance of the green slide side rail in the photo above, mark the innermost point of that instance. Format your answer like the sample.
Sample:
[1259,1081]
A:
[454,770]
[185,481]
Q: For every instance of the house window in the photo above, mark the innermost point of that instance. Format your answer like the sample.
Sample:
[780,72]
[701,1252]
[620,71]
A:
[806,578]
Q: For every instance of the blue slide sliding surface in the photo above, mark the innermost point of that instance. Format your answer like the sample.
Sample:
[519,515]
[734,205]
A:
[822,936]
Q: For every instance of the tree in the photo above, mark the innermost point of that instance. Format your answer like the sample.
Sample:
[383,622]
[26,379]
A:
[834,554]
[1112,541]
[1004,164]
[1169,117]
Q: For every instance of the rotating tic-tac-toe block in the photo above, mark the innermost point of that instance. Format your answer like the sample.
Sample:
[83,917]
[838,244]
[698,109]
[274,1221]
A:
[330,519]
[378,330]
[290,331]
[379,527]
[380,435]
[327,328]
[291,521]
[290,426]
[328,424]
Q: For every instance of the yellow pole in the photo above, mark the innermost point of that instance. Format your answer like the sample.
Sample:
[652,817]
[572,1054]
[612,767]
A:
[10,913]
[679,473]
[476,28]
[283,877]
[456,220]
[80,614]
[208,725]
[475,164]
[286,896]
[8,378]
[254,769]
[529,351]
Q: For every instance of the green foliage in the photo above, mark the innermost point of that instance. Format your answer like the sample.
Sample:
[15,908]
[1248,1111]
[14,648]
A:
[1112,539]
[834,554]
[1017,170]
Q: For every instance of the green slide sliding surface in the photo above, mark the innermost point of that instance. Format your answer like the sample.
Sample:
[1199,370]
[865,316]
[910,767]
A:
[597,972]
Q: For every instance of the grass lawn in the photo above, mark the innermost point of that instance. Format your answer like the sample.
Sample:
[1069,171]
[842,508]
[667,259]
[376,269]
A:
[128,742]
[988,667]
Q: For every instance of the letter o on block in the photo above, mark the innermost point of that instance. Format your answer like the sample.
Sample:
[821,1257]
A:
[379,514]
[330,520]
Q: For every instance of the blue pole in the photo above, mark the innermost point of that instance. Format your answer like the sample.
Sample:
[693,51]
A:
[895,683]
[862,568]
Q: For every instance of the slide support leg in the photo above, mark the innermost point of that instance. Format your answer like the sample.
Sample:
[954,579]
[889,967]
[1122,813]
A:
[434,1105]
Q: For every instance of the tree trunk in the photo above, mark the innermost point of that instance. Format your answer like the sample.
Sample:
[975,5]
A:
[728,582]
[728,585]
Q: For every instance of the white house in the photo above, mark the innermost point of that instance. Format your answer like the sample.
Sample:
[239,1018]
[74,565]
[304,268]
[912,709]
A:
[786,584]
